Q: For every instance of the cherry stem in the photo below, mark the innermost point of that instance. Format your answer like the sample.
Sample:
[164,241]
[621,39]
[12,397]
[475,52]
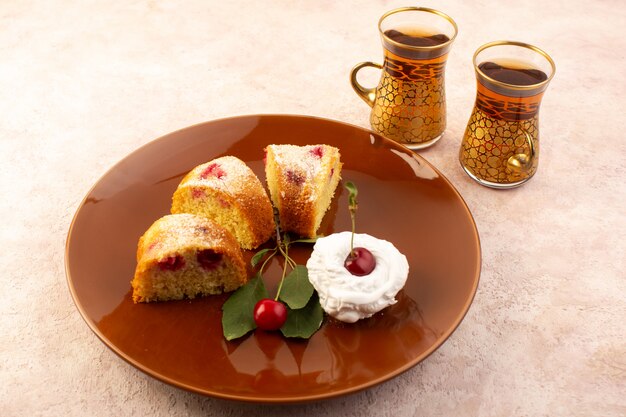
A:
[276,222]
[352,236]
[267,260]
[288,261]
[282,246]
[352,206]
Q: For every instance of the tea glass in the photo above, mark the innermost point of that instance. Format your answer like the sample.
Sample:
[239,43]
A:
[409,103]
[500,148]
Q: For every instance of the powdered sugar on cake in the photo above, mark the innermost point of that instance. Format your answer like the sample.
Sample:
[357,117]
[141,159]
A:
[300,163]
[302,181]
[189,230]
[227,173]
[227,191]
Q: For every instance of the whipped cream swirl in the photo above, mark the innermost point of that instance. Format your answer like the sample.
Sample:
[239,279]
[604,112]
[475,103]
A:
[348,297]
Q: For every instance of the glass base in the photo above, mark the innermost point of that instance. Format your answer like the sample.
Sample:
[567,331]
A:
[495,185]
[421,145]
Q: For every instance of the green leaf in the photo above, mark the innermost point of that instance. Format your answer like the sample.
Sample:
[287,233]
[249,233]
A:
[311,240]
[353,192]
[238,310]
[297,288]
[258,256]
[305,321]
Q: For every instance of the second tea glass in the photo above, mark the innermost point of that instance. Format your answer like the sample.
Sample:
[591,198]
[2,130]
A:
[500,148]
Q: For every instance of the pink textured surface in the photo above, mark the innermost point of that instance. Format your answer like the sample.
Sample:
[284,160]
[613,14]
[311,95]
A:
[85,83]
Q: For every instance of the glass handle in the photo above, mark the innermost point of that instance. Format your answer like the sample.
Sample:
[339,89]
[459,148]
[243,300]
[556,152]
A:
[367,94]
[522,162]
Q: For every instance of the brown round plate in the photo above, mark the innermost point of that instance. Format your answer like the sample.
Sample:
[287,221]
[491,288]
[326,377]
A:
[402,198]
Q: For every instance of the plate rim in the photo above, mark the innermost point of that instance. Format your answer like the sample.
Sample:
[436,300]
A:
[286,399]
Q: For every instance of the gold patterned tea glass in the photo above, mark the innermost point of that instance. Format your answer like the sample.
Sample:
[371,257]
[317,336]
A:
[500,148]
[409,103]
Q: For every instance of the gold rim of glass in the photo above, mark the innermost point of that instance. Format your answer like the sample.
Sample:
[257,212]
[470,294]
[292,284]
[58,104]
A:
[520,44]
[418,9]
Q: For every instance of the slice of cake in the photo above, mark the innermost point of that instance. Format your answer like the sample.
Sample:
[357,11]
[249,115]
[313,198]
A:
[226,191]
[302,181]
[184,256]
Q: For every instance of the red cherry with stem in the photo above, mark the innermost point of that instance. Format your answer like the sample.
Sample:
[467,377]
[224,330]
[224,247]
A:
[360,262]
[270,314]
